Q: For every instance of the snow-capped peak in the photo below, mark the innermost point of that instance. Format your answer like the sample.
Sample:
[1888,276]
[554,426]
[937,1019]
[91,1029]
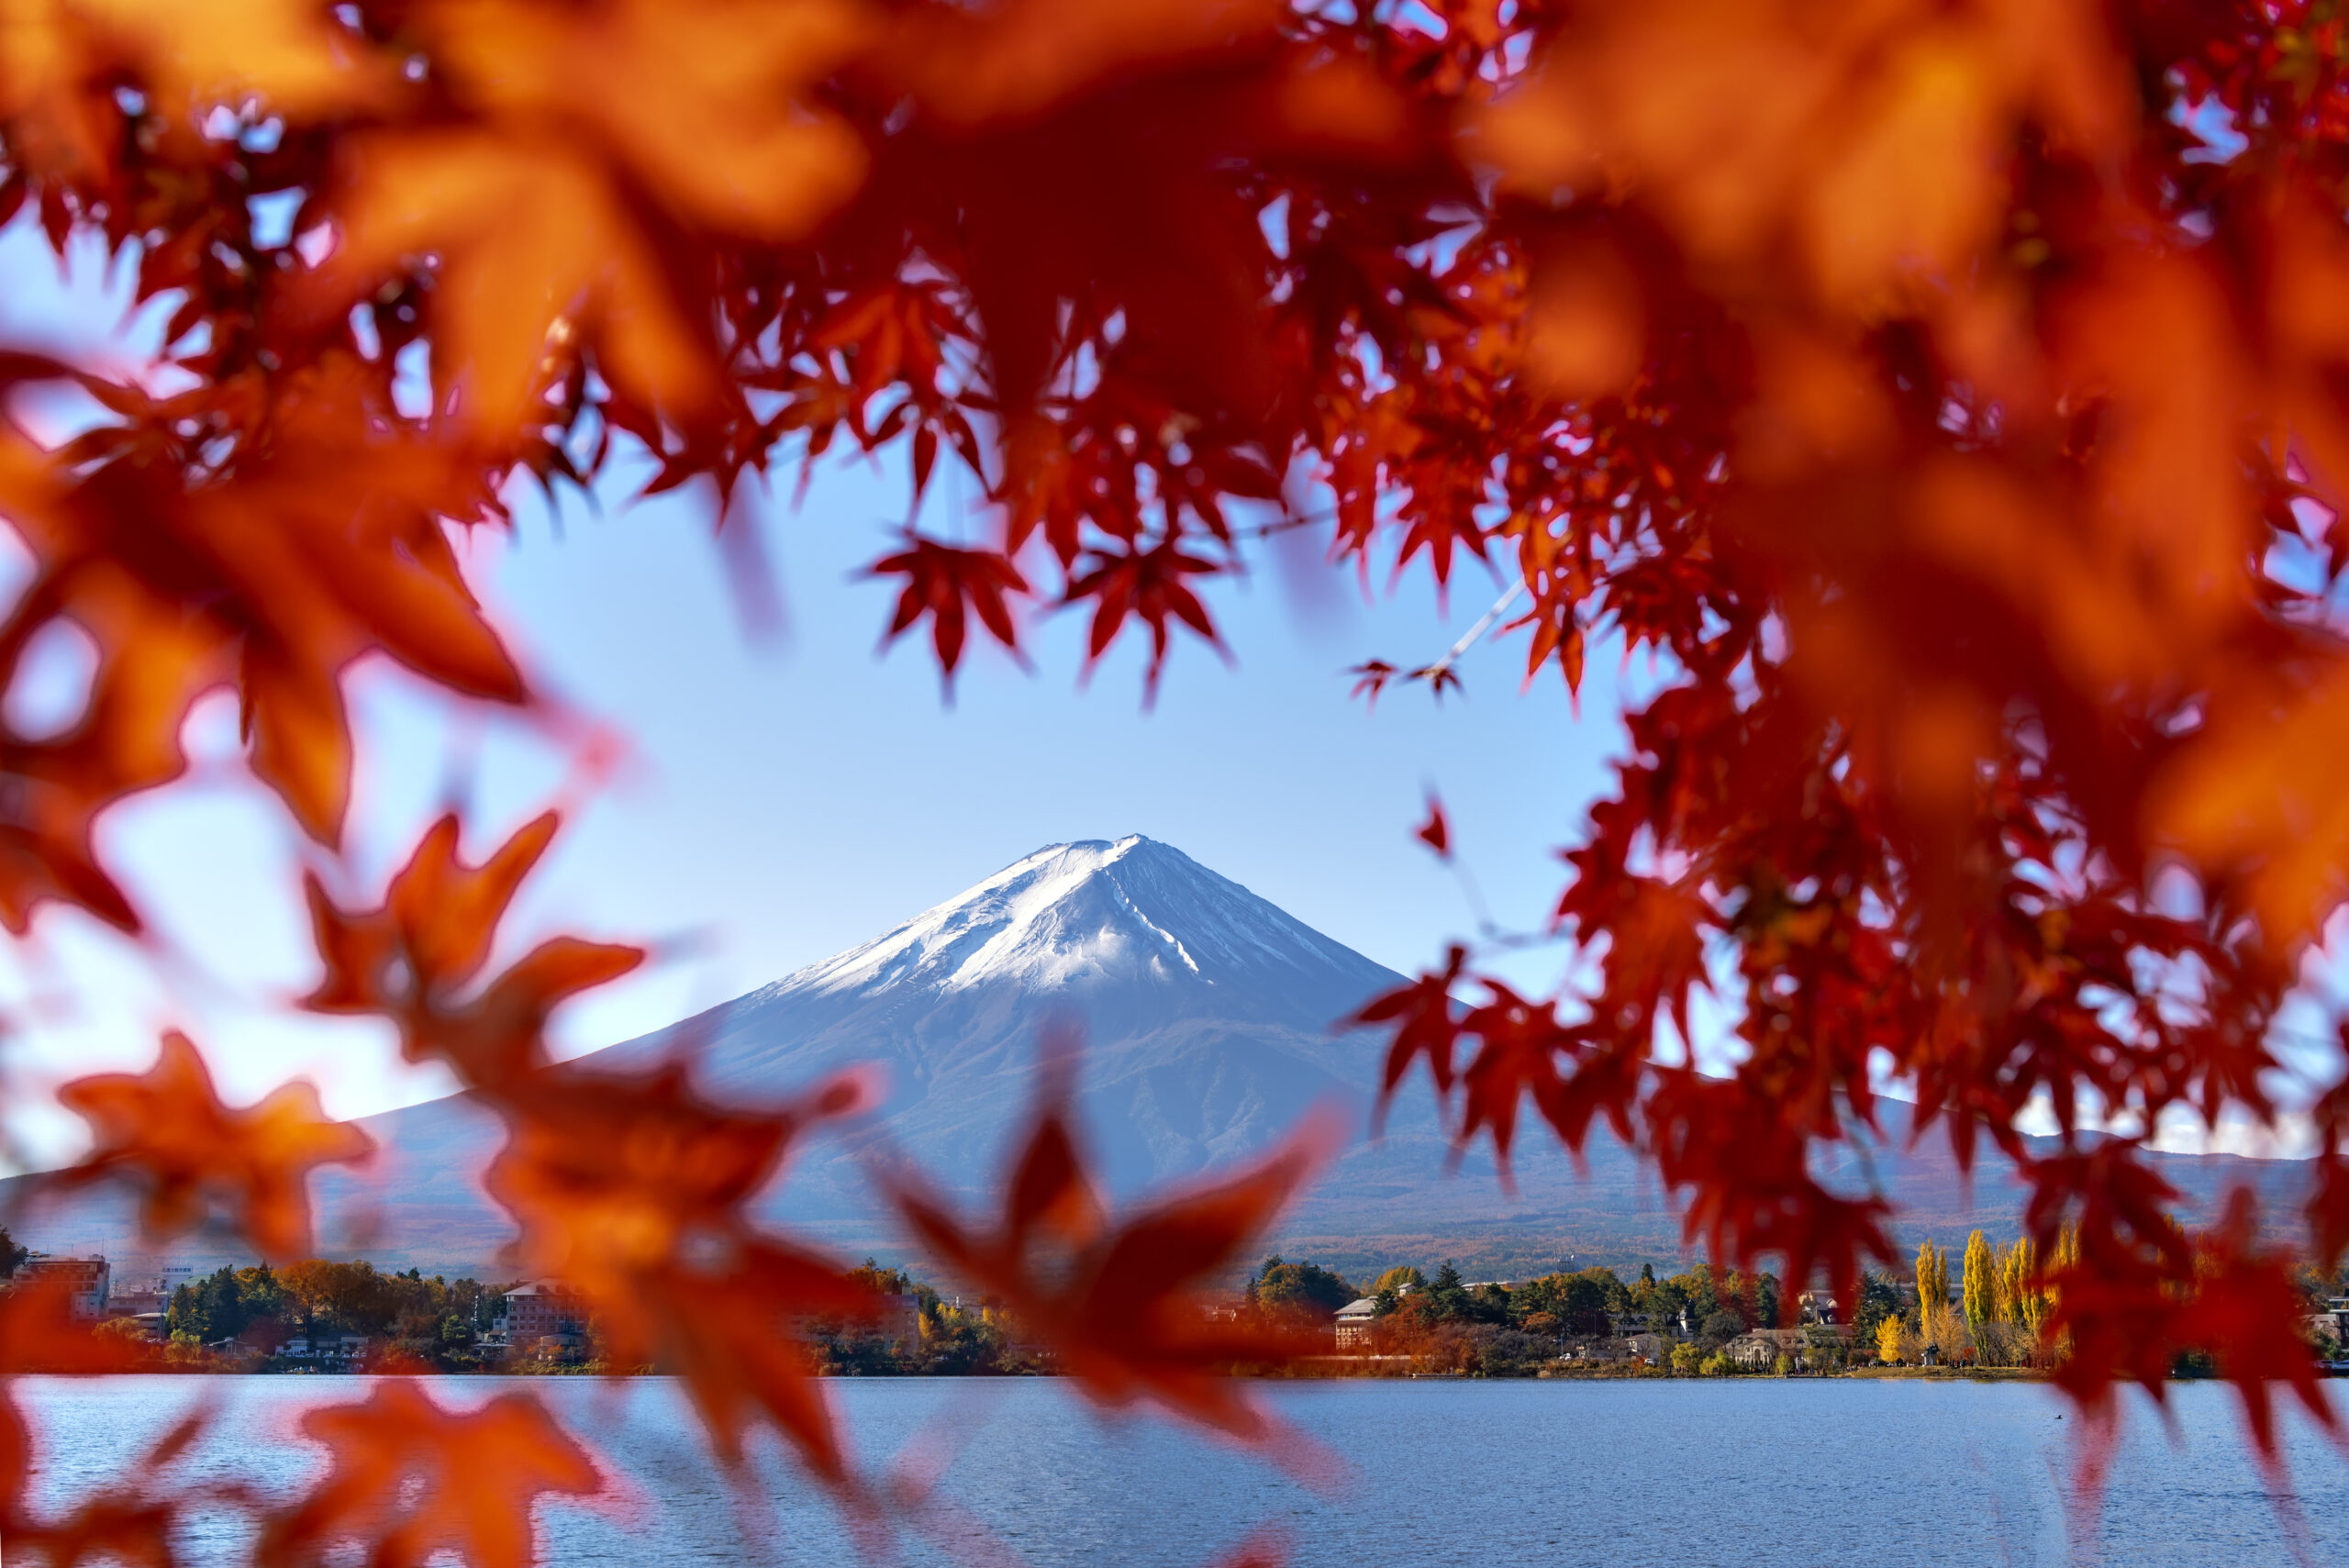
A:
[1077,915]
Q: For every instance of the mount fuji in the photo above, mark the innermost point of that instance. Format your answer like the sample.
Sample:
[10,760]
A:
[1206,1016]
[1212,1021]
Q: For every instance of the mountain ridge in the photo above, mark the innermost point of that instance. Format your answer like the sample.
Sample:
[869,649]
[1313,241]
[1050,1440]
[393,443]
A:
[1212,1020]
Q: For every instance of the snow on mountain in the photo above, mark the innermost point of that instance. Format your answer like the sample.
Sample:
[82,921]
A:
[1073,915]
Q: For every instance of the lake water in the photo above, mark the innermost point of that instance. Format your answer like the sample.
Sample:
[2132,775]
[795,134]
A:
[1756,1472]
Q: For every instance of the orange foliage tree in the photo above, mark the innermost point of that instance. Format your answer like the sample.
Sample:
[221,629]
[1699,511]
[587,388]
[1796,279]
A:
[1952,395]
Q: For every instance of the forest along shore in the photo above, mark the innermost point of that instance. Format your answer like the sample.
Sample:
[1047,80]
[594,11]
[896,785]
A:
[320,1315]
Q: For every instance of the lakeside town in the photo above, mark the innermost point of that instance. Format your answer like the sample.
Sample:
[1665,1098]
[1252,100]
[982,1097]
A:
[320,1315]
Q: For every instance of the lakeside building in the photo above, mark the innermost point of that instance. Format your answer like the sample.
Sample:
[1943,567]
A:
[898,1323]
[137,1303]
[1758,1349]
[148,1296]
[544,1318]
[89,1280]
[2333,1321]
[1355,1321]
[332,1352]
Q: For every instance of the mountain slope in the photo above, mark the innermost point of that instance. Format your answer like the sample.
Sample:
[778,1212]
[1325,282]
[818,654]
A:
[1209,1017]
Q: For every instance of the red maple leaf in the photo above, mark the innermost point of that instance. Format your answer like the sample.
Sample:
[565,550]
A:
[1746,1169]
[136,1519]
[1149,583]
[940,583]
[39,1333]
[1124,1301]
[1371,678]
[1435,832]
[1519,1044]
[1425,1025]
[2245,1312]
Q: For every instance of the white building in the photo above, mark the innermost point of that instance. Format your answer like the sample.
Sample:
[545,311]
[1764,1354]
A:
[1354,1320]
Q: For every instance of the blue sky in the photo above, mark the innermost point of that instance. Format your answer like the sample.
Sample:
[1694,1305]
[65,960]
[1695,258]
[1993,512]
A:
[786,796]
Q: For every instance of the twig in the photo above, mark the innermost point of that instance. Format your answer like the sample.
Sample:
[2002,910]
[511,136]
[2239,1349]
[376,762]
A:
[1435,675]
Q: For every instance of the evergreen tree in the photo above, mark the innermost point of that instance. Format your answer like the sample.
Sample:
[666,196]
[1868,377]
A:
[1447,1298]
[210,1309]
[1878,1302]
[1979,1296]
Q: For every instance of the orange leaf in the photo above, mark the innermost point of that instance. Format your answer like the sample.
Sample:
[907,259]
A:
[406,1479]
[414,958]
[167,1131]
[630,1189]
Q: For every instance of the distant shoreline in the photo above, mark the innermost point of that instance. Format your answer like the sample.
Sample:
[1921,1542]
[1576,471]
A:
[1299,1375]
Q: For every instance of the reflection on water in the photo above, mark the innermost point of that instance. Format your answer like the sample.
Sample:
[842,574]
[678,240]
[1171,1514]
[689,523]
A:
[1683,1473]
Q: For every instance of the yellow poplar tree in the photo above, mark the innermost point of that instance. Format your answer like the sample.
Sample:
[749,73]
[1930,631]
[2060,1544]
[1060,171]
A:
[2025,1298]
[1979,1295]
[1932,1290]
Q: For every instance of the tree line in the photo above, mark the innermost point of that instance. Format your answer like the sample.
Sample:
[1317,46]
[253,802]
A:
[430,1321]
[1997,1317]
[1446,1323]
[1999,1314]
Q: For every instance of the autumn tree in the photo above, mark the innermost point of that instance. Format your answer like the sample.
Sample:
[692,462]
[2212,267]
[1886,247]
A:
[2022,1296]
[1979,1288]
[1932,1275]
[1303,1289]
[1952,399]
[1939,1327]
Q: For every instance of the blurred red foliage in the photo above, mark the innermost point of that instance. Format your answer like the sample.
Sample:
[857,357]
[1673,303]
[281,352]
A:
[1950,395]
[408,1478]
